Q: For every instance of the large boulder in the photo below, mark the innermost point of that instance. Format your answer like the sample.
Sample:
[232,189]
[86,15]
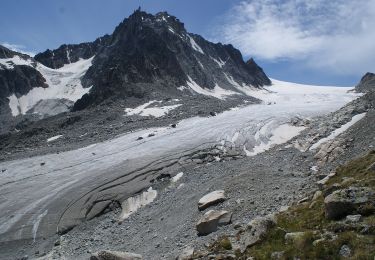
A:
[115,255]
[330,150]
[210,199]
[211,220]
[255,231]
[347,201]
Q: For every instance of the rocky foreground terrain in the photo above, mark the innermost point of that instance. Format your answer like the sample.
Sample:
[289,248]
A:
[299,194]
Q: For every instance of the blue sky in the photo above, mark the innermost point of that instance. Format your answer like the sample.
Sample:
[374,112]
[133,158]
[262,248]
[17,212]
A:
[316,42]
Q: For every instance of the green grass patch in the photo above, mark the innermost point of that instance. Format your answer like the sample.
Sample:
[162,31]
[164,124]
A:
[311,220]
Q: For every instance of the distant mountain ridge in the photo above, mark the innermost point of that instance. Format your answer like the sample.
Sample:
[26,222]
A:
[147,57]
[70,53]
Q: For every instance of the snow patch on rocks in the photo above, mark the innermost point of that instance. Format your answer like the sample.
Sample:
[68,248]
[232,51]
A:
[53,138]
[338,131]
[63,83]
[146,110]
[132,204]
[279,135]
[9,63]
[177,177]
[217,92]
[195,45]
[219,62]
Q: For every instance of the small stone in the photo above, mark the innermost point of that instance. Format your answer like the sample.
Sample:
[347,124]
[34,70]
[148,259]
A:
[283,208]
[186,254]
[347,181]
[237,225]
[345,251]
[293,236]
[312,204]
[303,200]
[277,255]
[57,242]
[106,254]
[317,194]
[353,218]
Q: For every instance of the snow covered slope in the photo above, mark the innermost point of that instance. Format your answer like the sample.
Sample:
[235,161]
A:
[63,83]
[9,63]
[66,183]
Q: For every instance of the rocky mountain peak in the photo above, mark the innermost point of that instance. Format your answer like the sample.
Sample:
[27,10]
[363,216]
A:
[6,53]
[153,56]
[142,24]
[367,83]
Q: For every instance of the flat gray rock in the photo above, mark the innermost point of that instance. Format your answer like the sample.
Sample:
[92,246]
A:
[186,254]
[115,255]
[210,199]
[211,220]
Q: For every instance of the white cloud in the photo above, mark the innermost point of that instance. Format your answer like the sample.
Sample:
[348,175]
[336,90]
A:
[338,34]
[17,48]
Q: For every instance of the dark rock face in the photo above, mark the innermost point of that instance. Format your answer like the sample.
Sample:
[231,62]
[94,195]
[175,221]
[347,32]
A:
[69,53]
[151,56]
[17,80]
[367,83]
[20,80]
[347,201]
[258,72]
[6,53]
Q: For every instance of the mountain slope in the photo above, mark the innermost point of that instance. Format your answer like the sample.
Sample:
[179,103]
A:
[71,53]
[148,58]
[17,74]
[69,187]
[25,82]
[367,83]
[154,56]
